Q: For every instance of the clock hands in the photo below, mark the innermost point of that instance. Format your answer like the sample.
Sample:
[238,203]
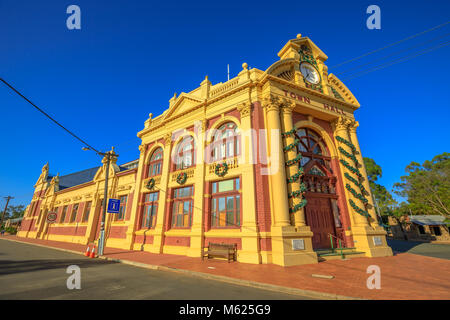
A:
[307,76]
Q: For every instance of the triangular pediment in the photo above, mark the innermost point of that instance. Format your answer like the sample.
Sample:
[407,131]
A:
[43,176]
[100,175]
[340,90]
[183,103]
[316,168]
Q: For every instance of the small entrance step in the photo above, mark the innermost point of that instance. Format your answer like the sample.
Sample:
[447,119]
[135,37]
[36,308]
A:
[336,253]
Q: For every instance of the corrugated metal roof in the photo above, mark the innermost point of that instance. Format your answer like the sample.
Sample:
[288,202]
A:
[80,177]
[77,178]
[428,220]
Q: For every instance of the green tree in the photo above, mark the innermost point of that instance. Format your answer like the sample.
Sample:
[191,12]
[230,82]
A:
[386,203]
[427,186]
[14,211]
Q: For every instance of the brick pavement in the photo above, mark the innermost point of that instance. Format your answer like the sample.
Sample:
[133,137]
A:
[404,276]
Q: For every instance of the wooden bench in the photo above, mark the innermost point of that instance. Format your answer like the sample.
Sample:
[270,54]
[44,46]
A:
[220,250]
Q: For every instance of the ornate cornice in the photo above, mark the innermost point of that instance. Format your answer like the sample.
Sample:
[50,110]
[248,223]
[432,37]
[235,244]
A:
[341,123]
[287,106]
[245,109]
[272,103]
[167,139]
[353,125]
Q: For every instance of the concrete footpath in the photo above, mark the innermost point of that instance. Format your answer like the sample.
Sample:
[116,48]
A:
[404,276]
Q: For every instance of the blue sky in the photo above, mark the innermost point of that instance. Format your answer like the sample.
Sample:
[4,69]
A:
[130,57]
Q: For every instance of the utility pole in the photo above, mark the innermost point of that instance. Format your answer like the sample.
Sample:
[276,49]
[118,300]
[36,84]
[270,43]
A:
[6,207]
[108,157]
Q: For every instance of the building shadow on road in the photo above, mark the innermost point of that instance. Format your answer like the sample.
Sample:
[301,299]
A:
[401,246]
[11,266]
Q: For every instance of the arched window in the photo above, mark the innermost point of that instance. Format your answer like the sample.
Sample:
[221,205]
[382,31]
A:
[312,147]
[184,153]
[155,164]
[316,162]
[226,142]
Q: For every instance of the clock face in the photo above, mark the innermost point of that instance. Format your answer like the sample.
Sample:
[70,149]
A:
[310,73]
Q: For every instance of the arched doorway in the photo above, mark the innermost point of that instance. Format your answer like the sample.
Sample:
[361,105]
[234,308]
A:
[321,211]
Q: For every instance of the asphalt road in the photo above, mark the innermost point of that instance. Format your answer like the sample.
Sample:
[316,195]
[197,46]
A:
[32,272]
[435,250]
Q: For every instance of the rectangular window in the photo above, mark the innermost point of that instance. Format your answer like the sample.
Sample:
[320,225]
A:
[436,230]
[63,215]
[421,230]
[40,216]
[123,208]
[182,207]
[226,204]
[150,210]
[87,210]
[30,213]
[73,216]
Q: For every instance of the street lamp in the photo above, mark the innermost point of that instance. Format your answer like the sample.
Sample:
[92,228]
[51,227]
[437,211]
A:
[108,155]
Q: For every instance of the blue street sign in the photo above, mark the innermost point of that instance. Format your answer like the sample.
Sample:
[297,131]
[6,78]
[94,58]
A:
[113,206]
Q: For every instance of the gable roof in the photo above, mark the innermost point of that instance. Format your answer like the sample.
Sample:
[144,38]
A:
[427,220]
[77,178]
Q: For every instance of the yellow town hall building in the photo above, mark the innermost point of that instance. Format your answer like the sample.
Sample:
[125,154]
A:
[269,161]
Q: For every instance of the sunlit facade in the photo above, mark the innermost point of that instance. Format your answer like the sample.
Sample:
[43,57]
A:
[269,161]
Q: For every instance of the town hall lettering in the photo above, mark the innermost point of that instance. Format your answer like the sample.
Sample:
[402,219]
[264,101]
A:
[334,109]
[298,97]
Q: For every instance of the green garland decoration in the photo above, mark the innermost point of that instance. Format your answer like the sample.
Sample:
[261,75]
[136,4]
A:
[349,155]
[298,206]
[298,193]
[295,160]
[349,167]
[357,183]
[222,173]
[336,94]
[356,171]
[356,194]
[295,177]
[292,145]
[348,143]
[358,209]
[150,184]
[181,177]
[288,133]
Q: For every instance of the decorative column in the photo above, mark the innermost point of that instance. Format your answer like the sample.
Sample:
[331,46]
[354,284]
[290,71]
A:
[42,218]
[277,172]
[293,170]
[371,240]
[365,181]
[196,241]
[350,173]
[290,245]
[136,196]
[158,233]
[250,233]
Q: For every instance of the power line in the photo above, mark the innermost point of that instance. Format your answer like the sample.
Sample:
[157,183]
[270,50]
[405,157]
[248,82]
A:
[392,54]
[382,66]
[390,45]
[48,116]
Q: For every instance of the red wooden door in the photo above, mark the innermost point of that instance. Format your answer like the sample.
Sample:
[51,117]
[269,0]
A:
[319,218]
